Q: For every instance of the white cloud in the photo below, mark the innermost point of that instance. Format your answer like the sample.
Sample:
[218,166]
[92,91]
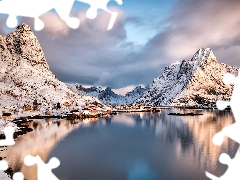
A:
[124,90]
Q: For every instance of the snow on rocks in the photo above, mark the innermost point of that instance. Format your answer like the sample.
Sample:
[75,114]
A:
[194,82]
[25,74]
[4,176]
[107,96]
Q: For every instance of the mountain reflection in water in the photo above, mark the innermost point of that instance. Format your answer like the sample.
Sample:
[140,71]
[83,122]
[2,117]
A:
[128,146]
[45,135]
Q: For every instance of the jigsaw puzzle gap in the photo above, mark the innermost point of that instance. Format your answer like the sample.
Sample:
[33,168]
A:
[36,8]
[44,170]
[232,132]
[3,165]
[8,141]
[18,176]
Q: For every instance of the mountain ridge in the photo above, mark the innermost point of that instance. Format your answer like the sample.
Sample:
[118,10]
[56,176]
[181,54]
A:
[25,74]
[194,82]
[107,96]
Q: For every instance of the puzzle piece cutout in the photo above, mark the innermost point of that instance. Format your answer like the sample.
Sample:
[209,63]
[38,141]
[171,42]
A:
[36,8]
[235,99]
[4,166]
[8,131]
[100,4]
[232,131]
[18,176]
[44,170]
[233,172]
[8,141]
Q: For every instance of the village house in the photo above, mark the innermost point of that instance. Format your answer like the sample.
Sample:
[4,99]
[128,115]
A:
[35,105]
[27,107]
[7,116]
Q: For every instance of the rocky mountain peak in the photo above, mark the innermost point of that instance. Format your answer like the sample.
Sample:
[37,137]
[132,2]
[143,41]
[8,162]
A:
[25,74]
[108,89]
[107,96]
[23,46]
[194,82]
[23,27]
[79,86]
[137,90]
[108,93]
[204,55]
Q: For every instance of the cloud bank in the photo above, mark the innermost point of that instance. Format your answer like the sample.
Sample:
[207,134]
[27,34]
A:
[91,55]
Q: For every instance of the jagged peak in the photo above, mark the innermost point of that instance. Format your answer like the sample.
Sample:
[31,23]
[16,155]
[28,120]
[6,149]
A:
[138,87]
[204,55]
[196,82]
[24,47]
[23,27]
[176,63]
[78,86]
[108,89]
[108,96]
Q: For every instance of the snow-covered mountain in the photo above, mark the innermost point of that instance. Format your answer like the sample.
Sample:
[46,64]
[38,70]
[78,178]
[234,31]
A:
[25,74]
[194,82]
[136,93]
[107,96]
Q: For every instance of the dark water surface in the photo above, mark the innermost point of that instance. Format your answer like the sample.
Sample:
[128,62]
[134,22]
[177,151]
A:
[128,146]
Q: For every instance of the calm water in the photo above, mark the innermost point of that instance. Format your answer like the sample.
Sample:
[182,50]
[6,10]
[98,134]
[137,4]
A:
[136,146]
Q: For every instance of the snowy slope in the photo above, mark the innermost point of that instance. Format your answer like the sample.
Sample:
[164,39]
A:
[25,74]
[136,93]
[193,82]
[107,96]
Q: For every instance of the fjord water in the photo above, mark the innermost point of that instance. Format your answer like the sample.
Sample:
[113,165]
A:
[128,146]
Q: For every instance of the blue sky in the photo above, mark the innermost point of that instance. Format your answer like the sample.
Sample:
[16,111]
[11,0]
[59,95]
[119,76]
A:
[146,37]
[151,13]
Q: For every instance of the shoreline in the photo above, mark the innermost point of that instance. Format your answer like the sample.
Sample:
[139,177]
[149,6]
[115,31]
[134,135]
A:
[22,123]
[23,128]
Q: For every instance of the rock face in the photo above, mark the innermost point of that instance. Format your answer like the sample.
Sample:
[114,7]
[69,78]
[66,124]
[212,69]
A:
[135,94]
[107,96]
[194,82]
[25,74]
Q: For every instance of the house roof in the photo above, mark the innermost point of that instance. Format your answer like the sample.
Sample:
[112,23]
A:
[6,114]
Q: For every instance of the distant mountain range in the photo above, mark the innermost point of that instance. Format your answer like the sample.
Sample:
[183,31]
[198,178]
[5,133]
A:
[107,96]
[25,74]
[194,82]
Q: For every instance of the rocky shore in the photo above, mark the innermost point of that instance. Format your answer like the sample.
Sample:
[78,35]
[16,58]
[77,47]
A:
[23,128]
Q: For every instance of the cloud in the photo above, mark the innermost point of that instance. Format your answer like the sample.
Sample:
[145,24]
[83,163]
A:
[124,90]
[89,51]
[195,24]
[228,55]
[57,29]
[91,55]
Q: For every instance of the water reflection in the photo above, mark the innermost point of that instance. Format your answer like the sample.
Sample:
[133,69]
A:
[192,134]
[127,146]
[40,142]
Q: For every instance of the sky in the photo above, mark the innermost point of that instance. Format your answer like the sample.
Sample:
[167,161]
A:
[148,35]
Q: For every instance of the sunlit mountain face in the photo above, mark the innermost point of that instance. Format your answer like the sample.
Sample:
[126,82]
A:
[195,82]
